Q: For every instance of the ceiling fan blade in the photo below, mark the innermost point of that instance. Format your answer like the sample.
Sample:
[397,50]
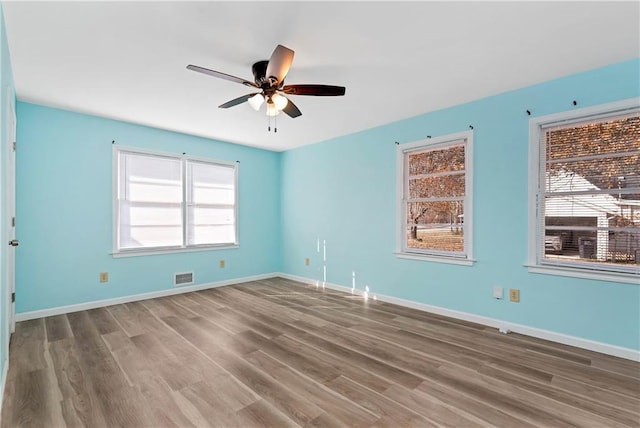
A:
[220,75]
[316,90]
[292,110]
[279,63]
[237,101]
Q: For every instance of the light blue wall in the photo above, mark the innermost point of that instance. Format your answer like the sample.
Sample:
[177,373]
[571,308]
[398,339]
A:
[6,82]
[340,191]
[64,211]
[343,191]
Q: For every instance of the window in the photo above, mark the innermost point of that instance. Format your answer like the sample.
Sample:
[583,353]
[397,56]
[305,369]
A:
[585,199]
[166,203]
[435,182]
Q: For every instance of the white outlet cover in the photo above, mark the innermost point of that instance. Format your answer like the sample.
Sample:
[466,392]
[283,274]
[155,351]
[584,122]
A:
[498,292]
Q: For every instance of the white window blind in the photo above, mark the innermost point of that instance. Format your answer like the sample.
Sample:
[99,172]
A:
[150,201]
[210,203]
[589,193]
[170,202]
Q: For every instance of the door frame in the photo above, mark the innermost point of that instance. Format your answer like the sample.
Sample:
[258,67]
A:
[10,208]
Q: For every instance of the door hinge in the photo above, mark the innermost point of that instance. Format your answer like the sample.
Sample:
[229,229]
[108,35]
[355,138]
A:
[14,146]
[13,222]
[13,297]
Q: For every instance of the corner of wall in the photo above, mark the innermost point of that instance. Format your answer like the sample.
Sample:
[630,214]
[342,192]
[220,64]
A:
[280,208]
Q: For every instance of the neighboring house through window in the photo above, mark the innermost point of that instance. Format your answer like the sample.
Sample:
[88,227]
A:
[165,202]
[585,192]
[435,212]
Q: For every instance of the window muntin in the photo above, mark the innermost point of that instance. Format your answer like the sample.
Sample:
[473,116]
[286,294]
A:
[166,202]
[436,189]
[588,193]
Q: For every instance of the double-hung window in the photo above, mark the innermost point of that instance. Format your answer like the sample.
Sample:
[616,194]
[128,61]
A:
[435,212]
[165,202]
[585,193]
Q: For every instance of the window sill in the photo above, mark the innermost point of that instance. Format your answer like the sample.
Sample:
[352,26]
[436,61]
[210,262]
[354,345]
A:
[431,258]
[135,253]
[628,278]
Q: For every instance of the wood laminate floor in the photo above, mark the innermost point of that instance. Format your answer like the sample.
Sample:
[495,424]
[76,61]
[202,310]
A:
[278,353]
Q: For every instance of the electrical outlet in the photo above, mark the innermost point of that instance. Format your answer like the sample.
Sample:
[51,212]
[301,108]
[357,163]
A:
[497,292]
[306,261]
[221,263]
[514,294]
[104,276]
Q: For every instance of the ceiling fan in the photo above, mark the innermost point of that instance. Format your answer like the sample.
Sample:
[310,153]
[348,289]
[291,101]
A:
[269,79]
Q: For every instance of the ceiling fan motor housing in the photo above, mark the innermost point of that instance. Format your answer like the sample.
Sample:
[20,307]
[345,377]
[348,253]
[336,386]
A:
[259,72]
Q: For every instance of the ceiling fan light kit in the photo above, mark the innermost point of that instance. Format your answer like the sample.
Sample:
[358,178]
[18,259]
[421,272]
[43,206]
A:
[256,101]
[269,78]
[272,110]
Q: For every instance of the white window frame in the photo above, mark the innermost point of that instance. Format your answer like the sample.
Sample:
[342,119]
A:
[537,169]
[117,252]
[402,251]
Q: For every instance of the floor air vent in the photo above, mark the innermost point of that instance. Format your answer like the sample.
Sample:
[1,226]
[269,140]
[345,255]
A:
[183,278]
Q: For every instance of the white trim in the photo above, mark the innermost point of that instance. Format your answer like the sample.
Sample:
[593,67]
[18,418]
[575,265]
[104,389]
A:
[537,125]
[534,183]
[591,345]
[433,258]
[135,253]
[8,170]
[3,384]
[24,316]
[465,139]
[401,213]
[585,273]
[172,155]
[566,117]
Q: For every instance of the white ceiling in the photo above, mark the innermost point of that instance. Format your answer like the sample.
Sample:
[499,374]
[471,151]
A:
[126,60]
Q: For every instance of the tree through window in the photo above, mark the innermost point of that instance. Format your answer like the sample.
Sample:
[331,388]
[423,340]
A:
[436,194]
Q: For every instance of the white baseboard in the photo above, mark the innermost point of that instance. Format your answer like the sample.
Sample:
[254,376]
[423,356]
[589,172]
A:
[605,348]
[23,316]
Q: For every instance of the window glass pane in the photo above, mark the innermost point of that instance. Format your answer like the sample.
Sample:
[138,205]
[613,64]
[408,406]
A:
[435,225]
[596,206]
[152,207]
[201,216]
[438,186]
[148,215]
[218,234]
[147,178]
[436,160]
[211,211]
[592,200]
[436,172]
[613,136]
[149,237]
[603,247]
[211,184]
[142,225]
[605,173]
[205,225]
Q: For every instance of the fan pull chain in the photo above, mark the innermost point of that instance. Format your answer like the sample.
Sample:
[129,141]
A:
[275,124]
